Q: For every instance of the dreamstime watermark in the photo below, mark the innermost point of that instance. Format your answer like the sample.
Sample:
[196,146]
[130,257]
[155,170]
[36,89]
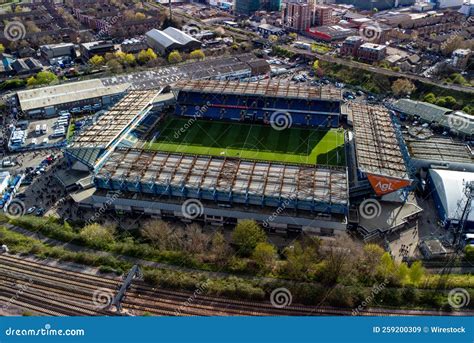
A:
[102,298]
[46,331]
[200,289]
[281,297]
[192,208]
[105,29]
[192,29]
[279,210]
[458,298]
[370,31]
[21,290]
[14,31]
[280,120]
[370,298]
[105,206]
[200,110]
[458,123]
[370,209]
[464,25]
[15,209]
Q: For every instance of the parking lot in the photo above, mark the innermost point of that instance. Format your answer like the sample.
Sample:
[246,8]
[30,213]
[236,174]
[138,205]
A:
[35,139]
[147,79]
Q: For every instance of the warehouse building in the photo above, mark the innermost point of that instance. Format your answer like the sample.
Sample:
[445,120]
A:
[456,122]
[48,101]
[171,39]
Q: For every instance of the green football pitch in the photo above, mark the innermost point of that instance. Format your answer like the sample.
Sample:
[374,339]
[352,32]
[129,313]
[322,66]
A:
[248,141]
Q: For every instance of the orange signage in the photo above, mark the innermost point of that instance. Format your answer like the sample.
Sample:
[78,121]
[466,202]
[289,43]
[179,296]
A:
[384,185]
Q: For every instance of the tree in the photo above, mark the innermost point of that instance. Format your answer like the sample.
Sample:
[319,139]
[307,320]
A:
[158,233]
[2,49]
[371,256]
[174,57]
[197,54]
[114,66]
[403,87]
[416,273]
[264,255]
[430,97]
[220,249]
[31,81]
[196,241]
[97,235]
[246,235]
[293,35]
[97,60]
[272,38]
[130,59]
[45,78]
[146,56]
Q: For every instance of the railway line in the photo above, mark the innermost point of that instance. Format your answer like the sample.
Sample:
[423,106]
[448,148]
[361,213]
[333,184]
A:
[47,290]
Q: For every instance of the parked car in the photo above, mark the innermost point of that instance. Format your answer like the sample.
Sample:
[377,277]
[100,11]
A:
[31,210]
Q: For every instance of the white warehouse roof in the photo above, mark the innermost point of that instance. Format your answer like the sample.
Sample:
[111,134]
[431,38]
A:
[69,92]
[450,187]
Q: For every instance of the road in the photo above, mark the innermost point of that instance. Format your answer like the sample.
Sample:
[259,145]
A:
[386,72]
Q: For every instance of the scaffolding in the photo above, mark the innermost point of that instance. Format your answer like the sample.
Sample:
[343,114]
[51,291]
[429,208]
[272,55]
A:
[377,147]
[262,88]
[222,179]
[109,126]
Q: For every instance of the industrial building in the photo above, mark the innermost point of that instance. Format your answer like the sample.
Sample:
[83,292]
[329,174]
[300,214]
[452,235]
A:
[58,50]
[47,101]
[450,191]
[171,39]
[255,102]
[457,122]
[99,48]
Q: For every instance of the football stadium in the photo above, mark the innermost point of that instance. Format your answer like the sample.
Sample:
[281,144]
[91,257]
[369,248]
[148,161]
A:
[223,151]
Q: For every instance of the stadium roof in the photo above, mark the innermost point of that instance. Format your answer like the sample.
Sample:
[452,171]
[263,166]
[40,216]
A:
[232,176]
[66,93]
[377,147]
[450,187]
[261,88]
[129,110]
[456,121]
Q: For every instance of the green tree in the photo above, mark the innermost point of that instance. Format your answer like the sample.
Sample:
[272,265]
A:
[31,81]
[97,235]
[293,35]
[97,60]
[416,273]
[197,55]
[2,49]
[264,255]
[430,97]
[246,235]
[174,57]
[45,77]
[146,56]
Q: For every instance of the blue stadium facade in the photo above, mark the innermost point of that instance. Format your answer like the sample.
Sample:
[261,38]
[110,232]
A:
[308,108]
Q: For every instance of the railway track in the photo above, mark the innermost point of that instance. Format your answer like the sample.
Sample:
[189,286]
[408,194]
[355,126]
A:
[48,290]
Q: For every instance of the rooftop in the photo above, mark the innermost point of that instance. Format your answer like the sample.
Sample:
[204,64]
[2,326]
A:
[109,126]
[261,88]
[377,148]
[439,149]
[233,176]
[66,93]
